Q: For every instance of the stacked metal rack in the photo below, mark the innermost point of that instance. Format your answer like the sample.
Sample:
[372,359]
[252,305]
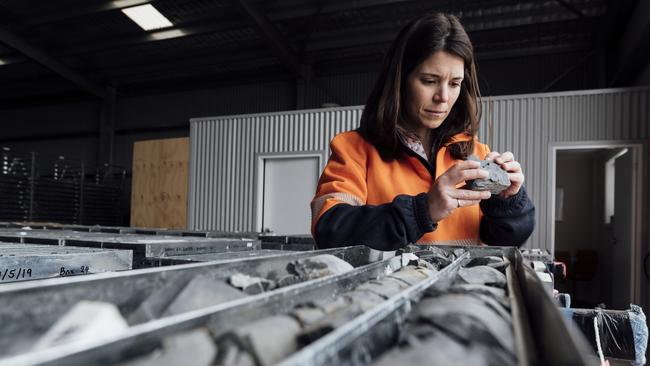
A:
[147,250]
[20,262]
[130,230]
[56,190]
[15,185]
[287,242]
[540,334]
[101,194]
[34,187]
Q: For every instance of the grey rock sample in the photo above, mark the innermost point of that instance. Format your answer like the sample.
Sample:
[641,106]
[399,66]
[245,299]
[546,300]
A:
[364,299]
[329,306]
[499,263]
[289,280]
[482,275]
[447,352]
[251,285]
[307,315]
[497,182]
[467,317]
[457,253]
[318,266]
[479,289]
[268,341]
[154,305]
[328,323]
[306,269]
[414,275]
[197,346]
[87,321]
[230,354]
[384,288]
[465,323]
[202,291]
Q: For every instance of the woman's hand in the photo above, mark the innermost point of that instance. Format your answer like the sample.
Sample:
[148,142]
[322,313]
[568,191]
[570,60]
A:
[444,197]
[515,174]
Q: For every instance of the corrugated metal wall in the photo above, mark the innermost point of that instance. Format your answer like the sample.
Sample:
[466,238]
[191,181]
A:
[528,124]
[222,158]
[223,148]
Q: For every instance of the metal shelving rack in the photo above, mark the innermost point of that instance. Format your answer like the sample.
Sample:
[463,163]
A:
[40,188]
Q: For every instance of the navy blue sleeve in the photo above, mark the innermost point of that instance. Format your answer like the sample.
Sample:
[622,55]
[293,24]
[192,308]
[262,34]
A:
[389,226]
[507,222]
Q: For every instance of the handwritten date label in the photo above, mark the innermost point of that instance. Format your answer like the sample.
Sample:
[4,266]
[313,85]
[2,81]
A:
[15,273]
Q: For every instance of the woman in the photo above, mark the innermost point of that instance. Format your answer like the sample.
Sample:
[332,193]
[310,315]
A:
[396,179]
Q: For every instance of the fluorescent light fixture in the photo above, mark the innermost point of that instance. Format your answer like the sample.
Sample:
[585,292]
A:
[167,34]
[147,17]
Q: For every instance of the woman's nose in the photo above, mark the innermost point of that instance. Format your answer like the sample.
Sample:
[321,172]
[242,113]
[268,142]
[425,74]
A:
[442,94]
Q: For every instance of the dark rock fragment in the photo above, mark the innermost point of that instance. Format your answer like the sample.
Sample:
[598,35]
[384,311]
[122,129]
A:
[251,285]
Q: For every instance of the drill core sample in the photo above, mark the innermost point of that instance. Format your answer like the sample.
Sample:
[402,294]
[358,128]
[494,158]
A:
[497,182]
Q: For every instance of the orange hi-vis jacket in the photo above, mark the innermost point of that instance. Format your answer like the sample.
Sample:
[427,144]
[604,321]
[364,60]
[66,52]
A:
[356,175]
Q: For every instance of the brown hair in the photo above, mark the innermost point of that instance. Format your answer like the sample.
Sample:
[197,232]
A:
[418,40]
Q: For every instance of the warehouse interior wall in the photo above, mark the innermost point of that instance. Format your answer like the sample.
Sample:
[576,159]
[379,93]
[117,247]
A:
[71,128]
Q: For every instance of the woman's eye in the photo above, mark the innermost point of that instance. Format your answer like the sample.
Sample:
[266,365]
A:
[429,81]
[455,85]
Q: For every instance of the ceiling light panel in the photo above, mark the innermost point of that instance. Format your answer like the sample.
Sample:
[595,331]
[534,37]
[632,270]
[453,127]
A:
[147,17]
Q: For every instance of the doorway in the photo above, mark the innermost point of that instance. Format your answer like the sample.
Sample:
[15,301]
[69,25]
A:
[285,186]
[597,205]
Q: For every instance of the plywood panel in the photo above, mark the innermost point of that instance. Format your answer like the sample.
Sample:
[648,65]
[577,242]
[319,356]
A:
[159,183]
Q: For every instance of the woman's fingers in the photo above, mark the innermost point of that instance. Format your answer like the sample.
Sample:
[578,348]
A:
[512,166]
[468,195]
[516,181]
[465,203]
[465,170]
[460,198]
[492,155]
[465,164]
[504,158]
[516,178]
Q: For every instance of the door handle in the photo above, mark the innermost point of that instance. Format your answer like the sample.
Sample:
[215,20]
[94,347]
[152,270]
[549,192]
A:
[645,266]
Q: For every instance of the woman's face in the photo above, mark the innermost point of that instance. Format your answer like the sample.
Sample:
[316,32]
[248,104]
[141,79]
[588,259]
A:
[432,88]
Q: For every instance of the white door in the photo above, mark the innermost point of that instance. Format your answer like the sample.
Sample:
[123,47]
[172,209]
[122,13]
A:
[622,232]
[288,188]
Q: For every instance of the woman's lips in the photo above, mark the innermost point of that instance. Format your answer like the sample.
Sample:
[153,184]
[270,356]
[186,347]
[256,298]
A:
[435,113]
